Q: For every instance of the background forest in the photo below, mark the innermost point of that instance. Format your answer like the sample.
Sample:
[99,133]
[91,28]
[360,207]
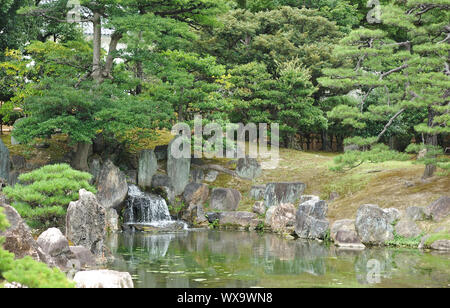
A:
[334,73]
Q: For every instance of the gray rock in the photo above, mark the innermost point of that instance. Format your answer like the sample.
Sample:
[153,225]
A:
[407,228]
[341,225]
[248,168]
[5,163]
[416,213]
[282,218]
[84,256]
[178,169]
[311,222]
[18,238]
[225,199]
[373,226]
[439,209]
[196,194]
[259,208]
[283,193]
[148,165]
[55,244]
[443,245]
[348,239]
[257,192]
[112,187]
[238,219]
[211,176]
[86,223]
[103,279]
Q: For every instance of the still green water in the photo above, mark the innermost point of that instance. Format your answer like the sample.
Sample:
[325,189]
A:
[223,259]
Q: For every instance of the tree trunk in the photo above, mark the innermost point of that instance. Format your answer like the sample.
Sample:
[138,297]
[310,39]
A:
[326,142]
[80,159]
[97,46]
[430,140]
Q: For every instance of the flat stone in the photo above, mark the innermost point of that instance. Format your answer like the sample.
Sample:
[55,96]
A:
[104,279]
[283,193]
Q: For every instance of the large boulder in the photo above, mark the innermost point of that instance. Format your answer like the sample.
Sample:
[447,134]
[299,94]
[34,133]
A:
[103,279]
[439,209]
[5,163]
[148,165]
[196,193]
[195,196]
[343,233]
[112,187]
[112,191]
[86,223]
[18,238]
[248,168]
[281,219]
[283,193]
[311,222]
[225,199]
[240,220]
[348,240]
[407,228]
[373,225]
[178,169]
[55,244]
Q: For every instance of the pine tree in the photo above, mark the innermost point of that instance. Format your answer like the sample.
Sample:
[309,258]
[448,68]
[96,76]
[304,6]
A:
[405,61]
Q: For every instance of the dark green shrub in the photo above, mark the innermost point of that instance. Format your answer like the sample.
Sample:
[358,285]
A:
[44,194]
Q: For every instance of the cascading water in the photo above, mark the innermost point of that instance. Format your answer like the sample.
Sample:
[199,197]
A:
[145,209]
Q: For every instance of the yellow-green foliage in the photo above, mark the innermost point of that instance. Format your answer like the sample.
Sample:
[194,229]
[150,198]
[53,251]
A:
[44,194]
[27,271]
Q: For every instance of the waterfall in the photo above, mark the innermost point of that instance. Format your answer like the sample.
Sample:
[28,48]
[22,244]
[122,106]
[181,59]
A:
[147,210]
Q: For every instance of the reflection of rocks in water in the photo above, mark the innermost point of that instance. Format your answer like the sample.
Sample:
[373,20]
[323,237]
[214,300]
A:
[282,257]
[374,265]
[232,243]
[155,246]
[281,249]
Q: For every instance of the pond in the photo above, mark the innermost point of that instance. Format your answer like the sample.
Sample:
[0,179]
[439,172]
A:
[226,259]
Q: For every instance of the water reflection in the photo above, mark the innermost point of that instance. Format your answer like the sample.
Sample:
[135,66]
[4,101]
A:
[243,259]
